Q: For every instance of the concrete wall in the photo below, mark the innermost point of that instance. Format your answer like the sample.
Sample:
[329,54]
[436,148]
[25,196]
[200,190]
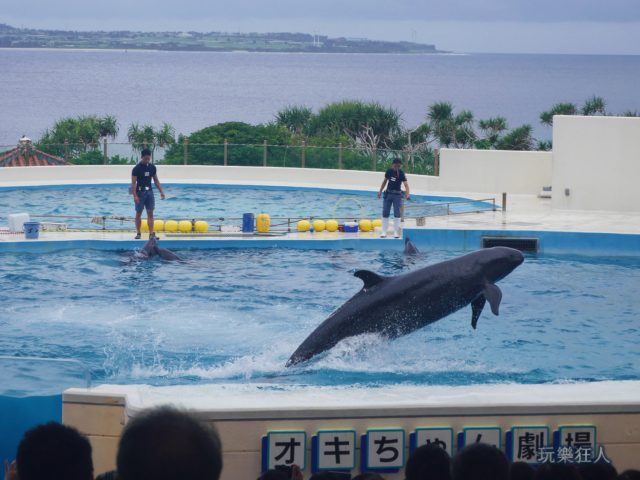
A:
[491,171]
[468,171]
[598,160]
[245,416]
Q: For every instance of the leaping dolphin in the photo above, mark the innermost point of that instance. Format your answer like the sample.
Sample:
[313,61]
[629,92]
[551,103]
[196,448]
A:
[396,306]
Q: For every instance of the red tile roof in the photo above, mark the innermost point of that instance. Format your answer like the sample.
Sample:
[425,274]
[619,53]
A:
[30,157]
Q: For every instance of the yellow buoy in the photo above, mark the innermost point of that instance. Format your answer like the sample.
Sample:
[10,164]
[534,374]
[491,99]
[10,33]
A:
[304,226]
[170,226]
[319,225]
[365,225]
[185,226]
[144,226]
[201,226]
[376,223]
[263,222]
[158,225]
[331,225]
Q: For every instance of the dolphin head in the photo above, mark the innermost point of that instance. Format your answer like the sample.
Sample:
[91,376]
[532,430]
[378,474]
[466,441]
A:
[150,247]
[498,262]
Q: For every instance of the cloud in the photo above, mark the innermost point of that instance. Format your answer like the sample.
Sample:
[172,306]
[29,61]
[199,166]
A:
[149,11]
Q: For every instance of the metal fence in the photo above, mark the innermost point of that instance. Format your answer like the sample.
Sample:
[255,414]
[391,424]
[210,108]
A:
[232,154]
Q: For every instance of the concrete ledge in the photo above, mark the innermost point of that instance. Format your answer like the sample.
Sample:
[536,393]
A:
[244,413]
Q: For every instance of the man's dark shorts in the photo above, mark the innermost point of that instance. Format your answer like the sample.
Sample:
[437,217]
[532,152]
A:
[147,200]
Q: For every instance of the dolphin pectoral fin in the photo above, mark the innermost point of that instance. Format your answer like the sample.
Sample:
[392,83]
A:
[369,278]
[476,309]
[493,295]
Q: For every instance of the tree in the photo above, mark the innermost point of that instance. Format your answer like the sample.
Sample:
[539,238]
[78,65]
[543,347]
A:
[369,125]
[108,126]
[146,136]
[558,109]
[451,130]
[593,106]
[245,144]
[82,133]
[517,139]
[294,118]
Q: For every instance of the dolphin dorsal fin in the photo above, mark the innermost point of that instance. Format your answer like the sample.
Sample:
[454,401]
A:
[369,278]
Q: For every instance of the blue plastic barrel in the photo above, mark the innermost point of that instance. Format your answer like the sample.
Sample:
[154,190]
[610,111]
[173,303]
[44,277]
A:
[247,223]
[31,230]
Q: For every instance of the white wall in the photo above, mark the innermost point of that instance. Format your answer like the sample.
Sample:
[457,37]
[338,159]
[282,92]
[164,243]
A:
[598,160]
[494,171]
[461,171]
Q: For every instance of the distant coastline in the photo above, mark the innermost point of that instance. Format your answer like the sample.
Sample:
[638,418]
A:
[11,37]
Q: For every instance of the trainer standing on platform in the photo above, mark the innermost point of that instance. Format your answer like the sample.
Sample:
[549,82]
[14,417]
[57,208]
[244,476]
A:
[142,190]
[393,196]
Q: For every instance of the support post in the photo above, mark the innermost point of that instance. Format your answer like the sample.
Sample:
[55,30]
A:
[340,155]
[504,201]
[66,150]
[436,162]
[264,152]
[303,154]
[185,151]
[226,151]
[104,151]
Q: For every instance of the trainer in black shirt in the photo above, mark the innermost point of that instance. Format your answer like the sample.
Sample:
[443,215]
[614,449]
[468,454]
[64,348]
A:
[142,190]
[394,178]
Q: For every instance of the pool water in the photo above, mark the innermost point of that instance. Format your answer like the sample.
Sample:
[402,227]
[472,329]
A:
[236,315]
[201,202]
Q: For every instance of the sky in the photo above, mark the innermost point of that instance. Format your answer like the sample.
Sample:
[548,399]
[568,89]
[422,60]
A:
[483,26]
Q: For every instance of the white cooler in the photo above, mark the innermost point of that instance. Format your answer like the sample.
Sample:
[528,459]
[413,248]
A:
[16,221]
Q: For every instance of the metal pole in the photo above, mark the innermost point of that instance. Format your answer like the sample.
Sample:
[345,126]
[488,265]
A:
[303,153]
[504,201]
[340,155]
[185,151]
[436,162]
[66,150]
[264,153]
[105,151]
[226,148]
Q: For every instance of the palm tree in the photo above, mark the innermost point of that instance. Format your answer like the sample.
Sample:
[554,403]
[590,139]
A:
[108,127]
[558,109]
[165,136]
[593,106]
[449,129]
[294,118]
[517,139]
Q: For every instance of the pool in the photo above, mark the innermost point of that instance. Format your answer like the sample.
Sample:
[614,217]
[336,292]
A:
[220,203]
[235,315]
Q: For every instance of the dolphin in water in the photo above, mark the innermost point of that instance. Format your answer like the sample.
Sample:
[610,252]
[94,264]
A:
[398,305]
[409,247]
[151,249]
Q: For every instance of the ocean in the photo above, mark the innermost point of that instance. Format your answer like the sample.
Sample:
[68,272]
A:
[193,90]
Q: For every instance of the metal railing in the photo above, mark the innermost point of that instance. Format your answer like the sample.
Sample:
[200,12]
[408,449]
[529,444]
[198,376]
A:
[235,154]
[419,211]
